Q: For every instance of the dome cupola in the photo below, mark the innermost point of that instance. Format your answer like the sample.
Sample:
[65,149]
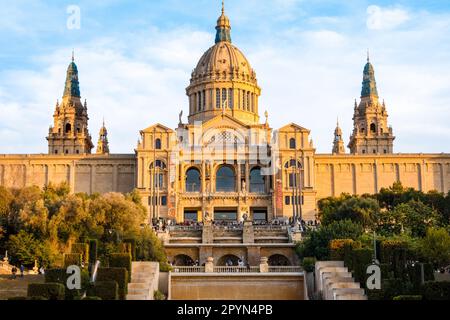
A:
[223,81]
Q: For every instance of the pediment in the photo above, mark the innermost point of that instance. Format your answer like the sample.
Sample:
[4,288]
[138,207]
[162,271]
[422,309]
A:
[292,127]
[158,128]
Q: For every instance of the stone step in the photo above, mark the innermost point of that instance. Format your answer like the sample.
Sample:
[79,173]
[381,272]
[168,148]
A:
[137,297]
[137,285]
[135,291]
[138,278]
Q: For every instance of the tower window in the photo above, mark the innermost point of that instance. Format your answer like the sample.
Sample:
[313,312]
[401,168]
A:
[224,95]
[68,128]
[248,100]
[364,151]
[78,151]
[292,143]
[373,128]
[218,98]
[158,144]
[204,100]
[363,130]
[385,151]
[56,151]
[67,151]
[243,99]
[374,151]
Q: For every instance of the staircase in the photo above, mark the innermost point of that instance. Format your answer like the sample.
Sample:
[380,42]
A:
[144,280]
[335,282]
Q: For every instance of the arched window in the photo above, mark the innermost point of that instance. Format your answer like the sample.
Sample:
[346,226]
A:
[291,164]
[68,128]
[292,143]
[158,144]
[257,184]
[278,260]
[193,180]
[373,128]
[225,179]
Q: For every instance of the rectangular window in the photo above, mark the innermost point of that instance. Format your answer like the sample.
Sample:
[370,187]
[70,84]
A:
[204,100]
[248,101]
[243,99]
[230,98]
[218,98]
[164,201]
[292,182]
[287,200]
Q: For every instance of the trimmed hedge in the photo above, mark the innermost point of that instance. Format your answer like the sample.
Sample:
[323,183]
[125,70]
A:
[394,253]
[436,290]
[415,274]
[407,297]
[72,259]
[26,298]
[342,249]
[105,290]
[60,276]
[51,291]
[83,249]
[93,245]
[120,275]
[120,260]
[361,259]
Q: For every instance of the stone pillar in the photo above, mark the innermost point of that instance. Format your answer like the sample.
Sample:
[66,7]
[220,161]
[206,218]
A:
[247,175]
[248,234]
[212,178]
[93,173]
[203,188]
[115,176]
[209,265]
[238,182]
[72,177]
[204,253]
[264,265]
[207,233]
[375,176]
[253,255]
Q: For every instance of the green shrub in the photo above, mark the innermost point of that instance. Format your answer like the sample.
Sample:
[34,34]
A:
[52,291]
[342,249]
[83,249]
[60,276]
[105,290]
[158,295]
[120,275]
[407,297]
[436,290]
[18,298]
[93,245]
[72,259]
[120,260]
[309,264]
[394,253]
[415,274]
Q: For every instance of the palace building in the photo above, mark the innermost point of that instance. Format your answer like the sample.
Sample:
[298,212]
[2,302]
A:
[226,162]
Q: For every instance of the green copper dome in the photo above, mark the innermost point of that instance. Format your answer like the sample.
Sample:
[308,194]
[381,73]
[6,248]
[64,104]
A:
[369,87]
[72,87]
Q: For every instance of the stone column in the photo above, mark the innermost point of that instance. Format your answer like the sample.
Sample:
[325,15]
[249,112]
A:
[443,181]
[209,265]
[212,177]
[72,177]
[248,234]
[207,233]
[264,265]
[247,175]
[93,173]
[203,187]
[115,178]
[375,176]
[238,182]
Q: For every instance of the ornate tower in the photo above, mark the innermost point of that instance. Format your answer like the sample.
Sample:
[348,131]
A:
[338,142]
[371,134]
[223,81]
[69,134]
[103,145]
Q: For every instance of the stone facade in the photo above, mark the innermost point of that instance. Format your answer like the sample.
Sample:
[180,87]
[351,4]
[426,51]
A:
[224,163]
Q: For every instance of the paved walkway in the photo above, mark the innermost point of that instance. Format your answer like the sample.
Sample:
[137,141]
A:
[18,287]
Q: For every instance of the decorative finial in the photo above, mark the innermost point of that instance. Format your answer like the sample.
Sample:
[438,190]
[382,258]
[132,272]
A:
[337,122]
[73,55]
[223,6]
[266,114]
[368,55]
[103,122]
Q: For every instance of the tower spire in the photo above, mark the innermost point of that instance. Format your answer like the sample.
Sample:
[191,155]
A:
[369,85]
[73,55]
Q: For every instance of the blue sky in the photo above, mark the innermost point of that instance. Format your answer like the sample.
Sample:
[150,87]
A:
[135,59]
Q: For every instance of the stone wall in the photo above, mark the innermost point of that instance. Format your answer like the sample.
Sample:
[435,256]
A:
[236,287]
[359,174]
[84,173]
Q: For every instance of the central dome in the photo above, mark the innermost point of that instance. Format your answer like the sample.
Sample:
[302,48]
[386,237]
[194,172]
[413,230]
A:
[223,81]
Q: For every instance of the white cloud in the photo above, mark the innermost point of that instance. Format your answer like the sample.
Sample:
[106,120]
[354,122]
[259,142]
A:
[385,18]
